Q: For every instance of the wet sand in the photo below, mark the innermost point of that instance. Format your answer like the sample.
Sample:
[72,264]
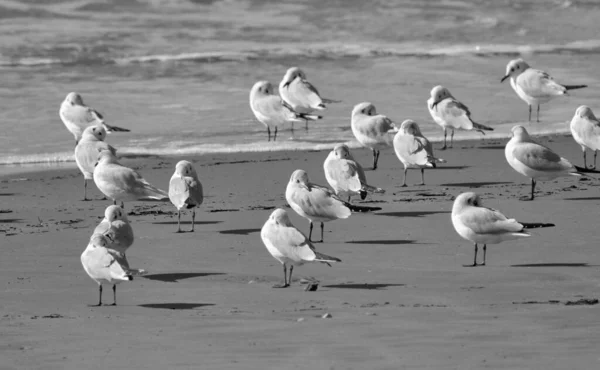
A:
[403,297]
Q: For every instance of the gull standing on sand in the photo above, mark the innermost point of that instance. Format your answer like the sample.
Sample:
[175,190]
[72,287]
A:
[288,245]
[585,128]
[314,202]
[269,109]
[533,86]
[77,116]
[414,150]
[483,225]
[451,114]
[345,175]
[300,95]
[86,152]
[372,130]
[104,265]
[121,183]
[116,227]
[536,161]
[185,191]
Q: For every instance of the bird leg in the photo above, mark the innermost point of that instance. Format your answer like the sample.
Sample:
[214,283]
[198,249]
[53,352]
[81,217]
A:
[290,277]
[538,113]
[310,231]
[374,159]
[475,257]
[595,153]
[114,294]
[322,228]
[584,159]
[85,189]
[452,138]
[532,188]
[422,176]
[445,133]
[193,219]
[285,282]
[178,220]
[269,133]
[484,251]
[99,295]
[405,171]
[529,112]
[275,136]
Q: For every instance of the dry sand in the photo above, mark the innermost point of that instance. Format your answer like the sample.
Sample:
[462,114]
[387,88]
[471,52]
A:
[402,298]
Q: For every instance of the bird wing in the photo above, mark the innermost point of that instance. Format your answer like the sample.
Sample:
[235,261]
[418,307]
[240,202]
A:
[81,115]
[456,114]
[483,220]
[540,158]
[410,150]
[179,191]
[292,243]
[345,173]
[304,94]
[538,84]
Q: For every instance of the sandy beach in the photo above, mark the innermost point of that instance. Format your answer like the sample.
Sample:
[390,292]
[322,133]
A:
[401,298]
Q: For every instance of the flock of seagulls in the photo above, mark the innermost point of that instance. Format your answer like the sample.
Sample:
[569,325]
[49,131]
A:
[298,101]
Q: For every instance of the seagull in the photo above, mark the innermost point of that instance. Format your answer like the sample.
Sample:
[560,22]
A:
[77,116]
[185,190]
[86,152]
[116,226]
[121,183]
[270,110]
[371,129]
[289,246]
[414,150]
[451,114]
[533,86]
[585,128]
[536,161]
[482,225]
[105,266]
[314,202]
[345,175]
[299,94]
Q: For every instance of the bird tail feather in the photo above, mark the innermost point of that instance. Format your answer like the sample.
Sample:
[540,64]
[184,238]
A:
[479,127]
[320,257]
[110,128]
[536,225]
[574,87]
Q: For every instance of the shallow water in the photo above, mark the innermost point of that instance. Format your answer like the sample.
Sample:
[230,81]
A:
[178,73]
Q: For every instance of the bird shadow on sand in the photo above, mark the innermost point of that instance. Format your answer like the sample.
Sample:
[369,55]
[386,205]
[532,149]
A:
[187,223]
[365,286]
[174,277]
[555,264]
[450,168]
[176,306]
[477,184]
[239,231]
[583,198]
[10,220]
[496,147]
[385,242]
[7,194]
[410,214]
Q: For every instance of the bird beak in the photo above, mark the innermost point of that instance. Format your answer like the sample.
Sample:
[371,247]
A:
[434,104]
[287,84]
[504,78]
[96,164]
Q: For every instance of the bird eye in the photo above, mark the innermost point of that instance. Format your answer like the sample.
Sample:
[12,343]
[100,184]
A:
[512,69]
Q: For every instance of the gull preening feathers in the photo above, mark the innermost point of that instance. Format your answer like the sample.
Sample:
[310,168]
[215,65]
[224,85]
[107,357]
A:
[121,183]
[585,128]
[414,150]
[270,110]
[372,130]
[86,152]
[533,86]
[185,190]
[77,116]
[345,175]
[116,226]
[536,161]
[451,114]
[288,245]
[104,265]
[481,225]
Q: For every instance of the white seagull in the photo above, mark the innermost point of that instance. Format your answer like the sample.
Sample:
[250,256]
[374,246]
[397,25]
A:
[288,245]
[105,266]
[345,175]
[414,150]
[185,190]
[585,128]
[270,110]
[299,94]
[533,86]
[86,152]
[372,130]
[451,114]
[536,161]
[121,183]
[77,116]
[482,225]
[116,226]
